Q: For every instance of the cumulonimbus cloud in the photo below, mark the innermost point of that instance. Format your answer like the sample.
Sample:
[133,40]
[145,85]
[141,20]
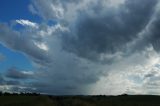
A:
[73,55]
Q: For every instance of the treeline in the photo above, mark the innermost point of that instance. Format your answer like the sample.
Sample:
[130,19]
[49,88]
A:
[21,94]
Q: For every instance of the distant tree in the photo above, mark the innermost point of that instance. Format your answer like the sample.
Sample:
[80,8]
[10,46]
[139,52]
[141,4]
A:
[14,93]
[124,95]
[36,94]
[1,93]
[6,93]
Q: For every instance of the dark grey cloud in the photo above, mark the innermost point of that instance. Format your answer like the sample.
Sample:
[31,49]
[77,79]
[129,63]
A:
[4,81]
[22,89]
[66,77]
[154,37]
[15,80]
[23,43]
[150,33]
[110,30]
[14,73]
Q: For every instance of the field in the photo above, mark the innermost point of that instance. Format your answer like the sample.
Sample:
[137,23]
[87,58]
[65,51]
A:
[42,100]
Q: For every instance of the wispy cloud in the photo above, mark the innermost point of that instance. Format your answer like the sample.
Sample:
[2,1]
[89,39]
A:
[27,23]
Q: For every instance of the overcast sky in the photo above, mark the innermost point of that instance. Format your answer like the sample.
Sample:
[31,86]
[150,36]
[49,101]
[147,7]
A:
[74,47]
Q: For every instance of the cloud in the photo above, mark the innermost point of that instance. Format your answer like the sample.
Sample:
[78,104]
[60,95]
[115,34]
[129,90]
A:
[136,78]
[13,73]
[51,9]
[109,31]
[27,23]
[23,43]
[5,82]
[42,46]
[14,80]
[60,71]
[92,36]
[92,49]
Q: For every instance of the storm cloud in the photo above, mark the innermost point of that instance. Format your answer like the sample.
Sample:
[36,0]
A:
[108,31]
[93,47]
[13,73]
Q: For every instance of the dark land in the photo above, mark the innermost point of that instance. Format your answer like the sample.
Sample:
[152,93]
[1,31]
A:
[32,99]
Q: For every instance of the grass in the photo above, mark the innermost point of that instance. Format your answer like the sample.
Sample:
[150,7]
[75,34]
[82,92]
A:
[42,100]
[25,101]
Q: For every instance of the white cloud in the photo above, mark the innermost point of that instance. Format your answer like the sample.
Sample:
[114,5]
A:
[42,46]
[5,88]
[28,72]
[27,23]
[51,30]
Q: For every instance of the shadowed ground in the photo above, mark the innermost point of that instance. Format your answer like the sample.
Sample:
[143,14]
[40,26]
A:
[41,100]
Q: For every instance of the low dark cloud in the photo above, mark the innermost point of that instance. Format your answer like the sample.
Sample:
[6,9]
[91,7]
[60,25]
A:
[4,81]
[14,73]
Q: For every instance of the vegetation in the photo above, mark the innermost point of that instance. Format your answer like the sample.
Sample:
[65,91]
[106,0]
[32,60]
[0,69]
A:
[32,99]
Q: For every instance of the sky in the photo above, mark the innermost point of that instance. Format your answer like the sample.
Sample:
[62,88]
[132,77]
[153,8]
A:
[80,47]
